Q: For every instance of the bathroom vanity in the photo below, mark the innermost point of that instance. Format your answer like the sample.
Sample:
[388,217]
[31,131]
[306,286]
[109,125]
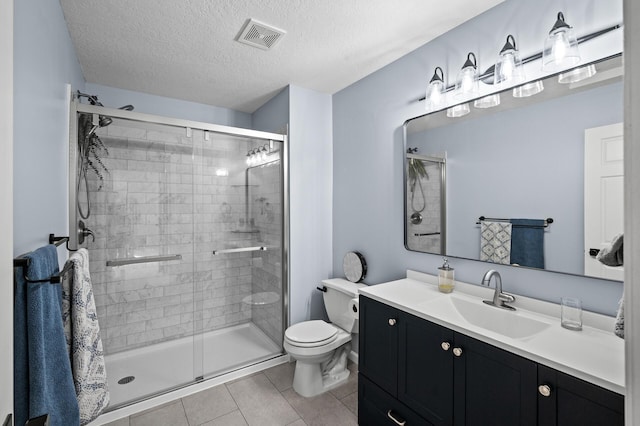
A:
[432,358]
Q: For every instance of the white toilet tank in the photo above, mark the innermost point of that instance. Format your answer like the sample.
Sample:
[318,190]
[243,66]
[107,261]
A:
[336,301]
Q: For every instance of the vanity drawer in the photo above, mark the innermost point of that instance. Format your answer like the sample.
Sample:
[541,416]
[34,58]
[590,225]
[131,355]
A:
[377,407]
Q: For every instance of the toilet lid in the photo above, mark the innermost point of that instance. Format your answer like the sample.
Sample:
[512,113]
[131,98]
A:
[311,333]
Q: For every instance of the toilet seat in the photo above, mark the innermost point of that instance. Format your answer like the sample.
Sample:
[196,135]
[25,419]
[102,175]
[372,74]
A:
[309,334]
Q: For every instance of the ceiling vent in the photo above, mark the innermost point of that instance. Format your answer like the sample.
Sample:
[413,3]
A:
[260,35]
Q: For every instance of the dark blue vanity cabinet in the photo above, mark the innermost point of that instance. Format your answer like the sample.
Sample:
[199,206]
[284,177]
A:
[572,401]
[417,372]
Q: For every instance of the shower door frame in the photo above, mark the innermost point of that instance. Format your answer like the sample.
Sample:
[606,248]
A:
[76,107]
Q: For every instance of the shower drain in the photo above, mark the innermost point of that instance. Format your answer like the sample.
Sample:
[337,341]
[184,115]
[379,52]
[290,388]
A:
[126,380]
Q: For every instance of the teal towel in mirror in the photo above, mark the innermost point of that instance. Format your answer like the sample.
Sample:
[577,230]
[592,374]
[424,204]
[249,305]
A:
[527,242]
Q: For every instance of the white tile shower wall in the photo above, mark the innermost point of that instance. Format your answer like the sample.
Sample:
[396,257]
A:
[426,201]
[164,194]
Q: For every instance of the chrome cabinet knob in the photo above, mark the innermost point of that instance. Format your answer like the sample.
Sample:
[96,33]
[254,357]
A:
[457,351]
[392,321]
[445,346]
[544,390]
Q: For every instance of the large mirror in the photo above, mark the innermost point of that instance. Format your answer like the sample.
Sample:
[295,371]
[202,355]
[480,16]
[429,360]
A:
[535,181]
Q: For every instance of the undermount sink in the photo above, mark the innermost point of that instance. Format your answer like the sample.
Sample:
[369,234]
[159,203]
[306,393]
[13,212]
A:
[508,323]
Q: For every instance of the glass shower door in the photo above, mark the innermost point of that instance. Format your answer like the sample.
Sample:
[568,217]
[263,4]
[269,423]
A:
[187,263]
[239,290]
[141,212]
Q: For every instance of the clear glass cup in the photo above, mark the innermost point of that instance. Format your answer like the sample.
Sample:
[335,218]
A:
[571,313]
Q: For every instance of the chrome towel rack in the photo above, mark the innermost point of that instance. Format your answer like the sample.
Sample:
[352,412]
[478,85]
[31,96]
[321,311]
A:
[547,221]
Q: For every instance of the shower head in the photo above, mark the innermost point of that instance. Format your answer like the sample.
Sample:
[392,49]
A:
[105,121]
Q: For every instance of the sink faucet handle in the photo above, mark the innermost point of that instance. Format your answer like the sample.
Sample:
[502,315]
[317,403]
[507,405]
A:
[507,298]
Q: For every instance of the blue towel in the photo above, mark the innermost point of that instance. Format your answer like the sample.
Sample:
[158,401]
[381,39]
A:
[43,383]
[527,242]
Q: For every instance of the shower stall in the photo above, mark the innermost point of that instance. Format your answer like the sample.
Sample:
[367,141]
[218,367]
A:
[186,224]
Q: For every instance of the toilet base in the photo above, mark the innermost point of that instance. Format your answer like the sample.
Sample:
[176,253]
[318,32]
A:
[311,379]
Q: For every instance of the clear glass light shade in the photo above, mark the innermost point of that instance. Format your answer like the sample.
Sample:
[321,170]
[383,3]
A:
[528,89]
[434,98]
[488,101]
[467,83]
[577,74]
[458,110]
[509,69]
[560,48]
[435,94]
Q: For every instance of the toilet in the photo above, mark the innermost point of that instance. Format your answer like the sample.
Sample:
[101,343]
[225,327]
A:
[321,348]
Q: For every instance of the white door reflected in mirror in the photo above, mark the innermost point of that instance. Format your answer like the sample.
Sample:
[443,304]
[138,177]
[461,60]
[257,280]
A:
[603,196]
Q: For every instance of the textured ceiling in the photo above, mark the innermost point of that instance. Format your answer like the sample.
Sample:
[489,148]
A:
[186,49]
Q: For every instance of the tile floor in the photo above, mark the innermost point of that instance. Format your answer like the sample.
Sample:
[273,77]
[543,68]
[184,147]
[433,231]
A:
[263,399]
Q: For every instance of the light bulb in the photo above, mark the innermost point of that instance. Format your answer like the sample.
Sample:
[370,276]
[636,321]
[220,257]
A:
[560,46]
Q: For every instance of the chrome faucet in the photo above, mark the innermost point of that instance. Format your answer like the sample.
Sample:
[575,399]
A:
[500,299]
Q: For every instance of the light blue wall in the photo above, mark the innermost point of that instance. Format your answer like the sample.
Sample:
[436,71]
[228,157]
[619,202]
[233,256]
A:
[273,116]
[44,62]
[367,141]
[310,190]
[169,107]
[537,170]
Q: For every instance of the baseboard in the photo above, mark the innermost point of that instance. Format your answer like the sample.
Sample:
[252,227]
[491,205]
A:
[353,356]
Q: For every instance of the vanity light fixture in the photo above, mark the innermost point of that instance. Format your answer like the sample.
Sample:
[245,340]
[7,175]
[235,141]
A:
[467,83]
[458,110]
[577,74]
[528,89]
[434,98]
[260,155]
[509,66]
[489,101]
[560,47]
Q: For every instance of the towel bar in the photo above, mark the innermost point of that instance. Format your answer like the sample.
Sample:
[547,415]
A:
[547,221]
[144,259]
[23,262]
[238,250]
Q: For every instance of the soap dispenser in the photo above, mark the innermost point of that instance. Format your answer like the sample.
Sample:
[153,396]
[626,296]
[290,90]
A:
[446,282]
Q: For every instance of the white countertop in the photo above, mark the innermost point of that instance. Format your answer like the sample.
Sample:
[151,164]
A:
[594,354]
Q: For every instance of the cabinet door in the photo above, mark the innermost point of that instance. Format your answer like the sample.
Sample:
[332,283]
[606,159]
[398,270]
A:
[492,386]
[425,368]
[572,401]
[378,357]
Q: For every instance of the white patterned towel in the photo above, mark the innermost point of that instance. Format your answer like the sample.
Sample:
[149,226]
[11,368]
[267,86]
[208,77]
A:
[83,338]
[495,242]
